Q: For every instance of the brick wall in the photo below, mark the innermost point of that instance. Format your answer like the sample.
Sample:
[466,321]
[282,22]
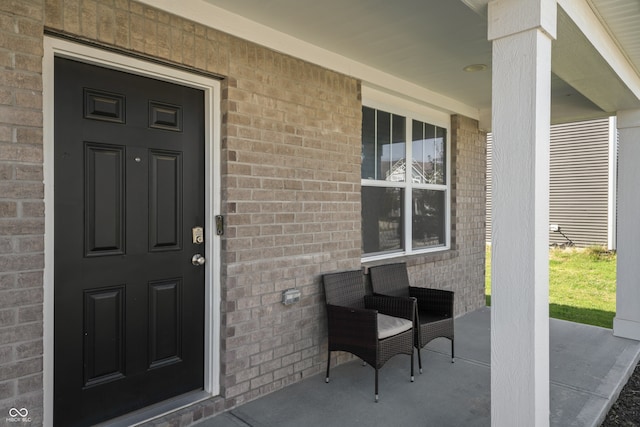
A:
[291,194]
[21,207]
[469,151]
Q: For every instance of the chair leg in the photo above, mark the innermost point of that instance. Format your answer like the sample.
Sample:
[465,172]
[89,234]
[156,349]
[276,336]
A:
[328,366]
[412,351]
[376,385]
[453,355]
[417,339]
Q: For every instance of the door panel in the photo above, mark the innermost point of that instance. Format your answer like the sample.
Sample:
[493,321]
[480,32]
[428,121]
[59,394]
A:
[129,187]
[104,200]
[165,183]
[104,356]
[165,332]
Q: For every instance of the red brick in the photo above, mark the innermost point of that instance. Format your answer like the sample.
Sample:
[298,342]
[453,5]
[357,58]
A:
[53,10]
[8,209]
[22,189]
[26,62]
[24,153]
[106,23]
[29,136]
[20,117]
[22,8]
[20,368]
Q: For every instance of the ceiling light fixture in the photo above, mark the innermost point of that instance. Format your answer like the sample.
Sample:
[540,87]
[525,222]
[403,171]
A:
[474,68]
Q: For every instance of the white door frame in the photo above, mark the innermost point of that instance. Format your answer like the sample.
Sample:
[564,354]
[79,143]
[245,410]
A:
[57,47]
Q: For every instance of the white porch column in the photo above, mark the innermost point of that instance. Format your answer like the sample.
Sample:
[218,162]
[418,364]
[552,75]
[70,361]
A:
[522,32]
[627,321]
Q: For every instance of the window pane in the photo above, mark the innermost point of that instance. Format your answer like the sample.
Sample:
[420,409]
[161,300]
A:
[382,219]
[429,157]
[428,209]
[398,150]
[441,156]
[383,145]
[368,143]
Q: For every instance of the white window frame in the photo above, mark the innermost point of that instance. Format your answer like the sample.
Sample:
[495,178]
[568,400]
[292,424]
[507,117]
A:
[378,100]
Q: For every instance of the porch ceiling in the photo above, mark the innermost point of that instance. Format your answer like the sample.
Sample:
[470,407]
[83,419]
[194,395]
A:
[428,43]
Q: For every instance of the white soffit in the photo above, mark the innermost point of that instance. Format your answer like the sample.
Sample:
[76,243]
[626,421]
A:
[622,18]
[417,48]
[304,26]
[590,59]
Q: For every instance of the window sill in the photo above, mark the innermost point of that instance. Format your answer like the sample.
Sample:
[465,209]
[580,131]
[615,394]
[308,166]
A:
[413,259]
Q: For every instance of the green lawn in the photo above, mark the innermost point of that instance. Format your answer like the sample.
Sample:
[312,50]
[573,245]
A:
[582,285]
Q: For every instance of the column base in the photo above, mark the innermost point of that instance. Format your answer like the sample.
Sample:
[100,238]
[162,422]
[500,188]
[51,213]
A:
[624,328]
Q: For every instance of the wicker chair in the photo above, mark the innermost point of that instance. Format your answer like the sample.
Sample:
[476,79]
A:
[434,317]
[371,327]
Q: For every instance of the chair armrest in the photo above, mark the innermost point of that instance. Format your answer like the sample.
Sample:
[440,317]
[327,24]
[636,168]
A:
[392,306]
[433,300]
[352,325]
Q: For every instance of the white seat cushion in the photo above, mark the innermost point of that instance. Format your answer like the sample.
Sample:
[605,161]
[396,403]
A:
[389,326]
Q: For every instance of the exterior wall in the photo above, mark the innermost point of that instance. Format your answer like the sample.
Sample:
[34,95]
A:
[290,180]
[21,207]
[462,269]
[468,212]
[579,183]
[291,195]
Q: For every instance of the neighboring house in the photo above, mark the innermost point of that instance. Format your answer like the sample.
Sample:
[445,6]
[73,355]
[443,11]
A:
[582,205]
[169,169]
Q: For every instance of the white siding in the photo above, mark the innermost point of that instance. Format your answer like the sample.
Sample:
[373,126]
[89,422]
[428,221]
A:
[579,182]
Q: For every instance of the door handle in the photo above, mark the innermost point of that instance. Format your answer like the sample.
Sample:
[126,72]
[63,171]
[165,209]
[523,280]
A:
[198,259]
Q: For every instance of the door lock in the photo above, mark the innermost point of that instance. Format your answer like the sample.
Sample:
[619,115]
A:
[198,260]
[197,235]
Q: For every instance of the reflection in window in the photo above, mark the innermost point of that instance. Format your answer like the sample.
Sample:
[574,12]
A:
[382,214]
[429,160]
[368,143]
[428,212]
[383,145]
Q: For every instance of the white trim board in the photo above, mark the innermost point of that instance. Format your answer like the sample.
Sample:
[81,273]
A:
[56,47]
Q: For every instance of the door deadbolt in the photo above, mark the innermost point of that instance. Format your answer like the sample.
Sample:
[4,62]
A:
[197,235]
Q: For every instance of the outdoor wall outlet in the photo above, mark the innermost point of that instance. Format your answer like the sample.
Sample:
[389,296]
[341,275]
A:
[554,227]
[290,296]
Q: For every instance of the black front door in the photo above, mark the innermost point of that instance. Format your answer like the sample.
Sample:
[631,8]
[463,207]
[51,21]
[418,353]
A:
[129,189]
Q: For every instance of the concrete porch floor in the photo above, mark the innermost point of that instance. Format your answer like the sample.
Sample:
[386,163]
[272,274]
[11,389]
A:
[588,368]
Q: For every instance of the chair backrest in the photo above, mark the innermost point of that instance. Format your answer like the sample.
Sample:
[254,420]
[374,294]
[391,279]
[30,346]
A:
[390,279]
[345,288]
